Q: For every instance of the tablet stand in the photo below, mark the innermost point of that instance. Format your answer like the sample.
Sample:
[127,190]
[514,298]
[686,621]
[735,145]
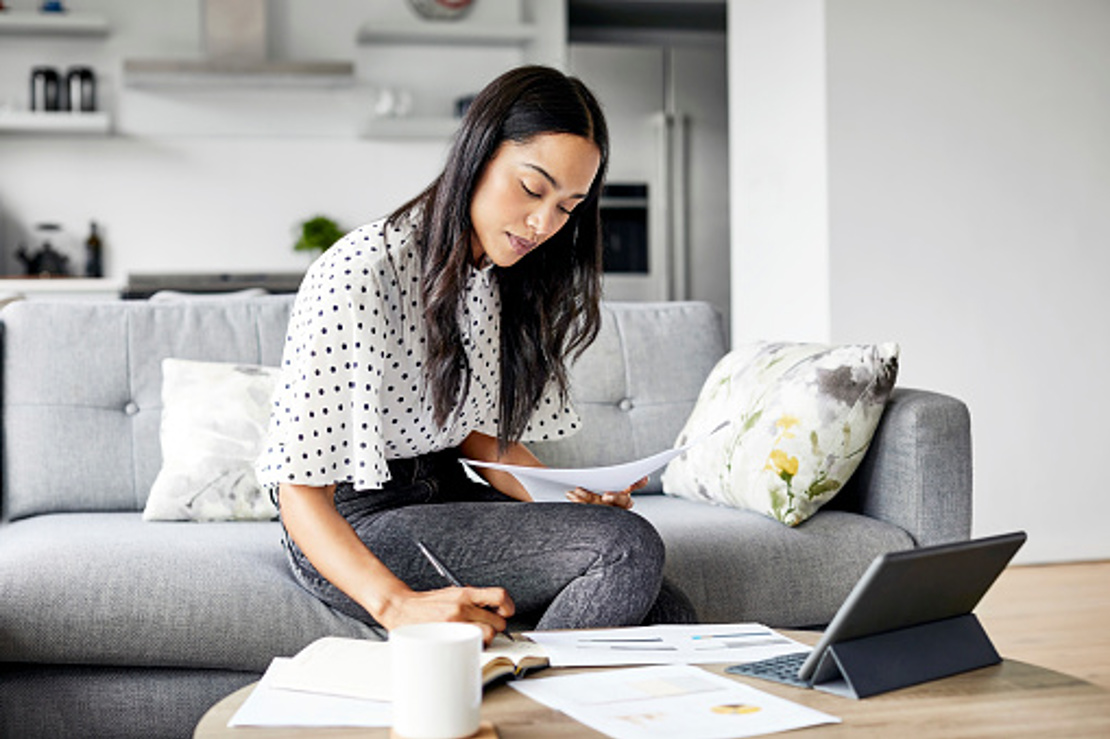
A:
[876,664]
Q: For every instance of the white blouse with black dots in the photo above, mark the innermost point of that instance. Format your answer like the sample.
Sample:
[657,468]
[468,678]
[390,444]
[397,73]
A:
[352,393]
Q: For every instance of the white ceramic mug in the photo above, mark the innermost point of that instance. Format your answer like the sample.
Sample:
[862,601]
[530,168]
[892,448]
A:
[437,680]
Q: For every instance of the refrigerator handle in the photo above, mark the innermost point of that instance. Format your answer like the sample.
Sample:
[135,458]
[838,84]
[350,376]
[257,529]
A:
[678,202]
[670,207]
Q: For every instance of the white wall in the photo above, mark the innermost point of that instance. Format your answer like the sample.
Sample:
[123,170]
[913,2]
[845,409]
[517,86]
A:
[969,219]
[203,179]
[778,174]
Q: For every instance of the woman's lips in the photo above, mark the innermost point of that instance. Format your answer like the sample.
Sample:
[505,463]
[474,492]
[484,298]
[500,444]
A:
[521,246]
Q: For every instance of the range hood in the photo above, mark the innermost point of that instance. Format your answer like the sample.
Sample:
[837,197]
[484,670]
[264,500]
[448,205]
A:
[234,33]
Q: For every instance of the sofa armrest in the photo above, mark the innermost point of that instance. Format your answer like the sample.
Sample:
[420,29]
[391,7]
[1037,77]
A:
[917,472]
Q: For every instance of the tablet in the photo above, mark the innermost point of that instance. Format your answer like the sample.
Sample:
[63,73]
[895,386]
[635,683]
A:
[900,590]
[916,586]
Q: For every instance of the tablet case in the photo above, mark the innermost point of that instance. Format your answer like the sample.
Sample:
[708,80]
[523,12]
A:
[876,664]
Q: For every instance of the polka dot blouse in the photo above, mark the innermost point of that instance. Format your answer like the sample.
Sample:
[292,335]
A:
[352,394]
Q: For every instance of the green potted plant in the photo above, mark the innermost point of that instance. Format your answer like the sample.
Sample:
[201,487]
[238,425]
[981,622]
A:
[317,235]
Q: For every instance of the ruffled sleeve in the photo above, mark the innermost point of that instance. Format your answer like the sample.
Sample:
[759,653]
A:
[326,424]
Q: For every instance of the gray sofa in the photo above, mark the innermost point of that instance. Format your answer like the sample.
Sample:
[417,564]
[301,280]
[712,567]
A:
[112,626]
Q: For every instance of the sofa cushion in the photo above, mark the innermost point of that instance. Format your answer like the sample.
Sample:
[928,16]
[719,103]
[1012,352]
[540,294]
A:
[738,565]
[214,419]
[96,413]
[802,417]
[112,589]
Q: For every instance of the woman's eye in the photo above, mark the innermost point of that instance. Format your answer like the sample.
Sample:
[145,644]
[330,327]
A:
[529,190]
[565,211]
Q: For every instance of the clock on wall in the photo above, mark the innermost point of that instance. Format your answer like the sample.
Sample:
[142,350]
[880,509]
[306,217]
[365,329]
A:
[441,9]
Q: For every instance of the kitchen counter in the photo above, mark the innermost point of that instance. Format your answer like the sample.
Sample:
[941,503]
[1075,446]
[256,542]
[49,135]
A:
[61,287]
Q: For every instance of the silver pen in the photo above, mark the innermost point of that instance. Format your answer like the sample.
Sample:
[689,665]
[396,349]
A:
[446,573]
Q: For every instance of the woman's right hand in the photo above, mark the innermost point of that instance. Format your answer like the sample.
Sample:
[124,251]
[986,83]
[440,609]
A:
[487,608]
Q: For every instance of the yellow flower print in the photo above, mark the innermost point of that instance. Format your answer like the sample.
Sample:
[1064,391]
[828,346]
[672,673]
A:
[783,464]
[785,424]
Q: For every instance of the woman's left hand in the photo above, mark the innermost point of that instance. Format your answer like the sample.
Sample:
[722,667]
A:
[621,499]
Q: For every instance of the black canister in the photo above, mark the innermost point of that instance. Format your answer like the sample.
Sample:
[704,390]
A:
[80,90]
[45,89]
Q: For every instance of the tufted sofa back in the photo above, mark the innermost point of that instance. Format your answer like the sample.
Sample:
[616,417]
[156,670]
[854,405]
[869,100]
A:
[82,391]
[637,383]
[82,383]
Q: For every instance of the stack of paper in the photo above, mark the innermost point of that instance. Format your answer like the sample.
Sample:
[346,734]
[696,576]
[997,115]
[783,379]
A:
[345,682]
[664,645]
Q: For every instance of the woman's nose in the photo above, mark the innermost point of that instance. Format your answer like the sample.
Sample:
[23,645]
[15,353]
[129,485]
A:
[539,221]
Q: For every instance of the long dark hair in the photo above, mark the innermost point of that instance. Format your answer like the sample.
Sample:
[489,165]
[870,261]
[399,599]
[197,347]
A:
[550,298]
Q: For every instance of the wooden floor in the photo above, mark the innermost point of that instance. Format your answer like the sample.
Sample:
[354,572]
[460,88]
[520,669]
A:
[1054,616]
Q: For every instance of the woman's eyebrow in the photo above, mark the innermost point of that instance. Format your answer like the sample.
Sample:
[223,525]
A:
[552,180]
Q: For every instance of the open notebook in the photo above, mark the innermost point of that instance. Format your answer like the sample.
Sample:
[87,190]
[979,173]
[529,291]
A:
[360,668]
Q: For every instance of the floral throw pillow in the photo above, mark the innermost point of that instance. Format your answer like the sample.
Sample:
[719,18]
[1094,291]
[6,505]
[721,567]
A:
[802,417]
[214,420]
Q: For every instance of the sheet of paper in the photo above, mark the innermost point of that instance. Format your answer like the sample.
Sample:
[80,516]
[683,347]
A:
[547,482]
[670,644]
[271,706]
[669,701]
[352,668]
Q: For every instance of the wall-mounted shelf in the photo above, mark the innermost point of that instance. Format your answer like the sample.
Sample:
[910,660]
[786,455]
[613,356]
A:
[61,122]
[214,73]
[411,128]
[446,32]
[16,23]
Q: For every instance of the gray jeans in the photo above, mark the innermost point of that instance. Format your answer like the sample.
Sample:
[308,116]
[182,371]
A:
[565,565]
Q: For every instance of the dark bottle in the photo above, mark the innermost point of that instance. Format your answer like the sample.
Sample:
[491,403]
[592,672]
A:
[94,254]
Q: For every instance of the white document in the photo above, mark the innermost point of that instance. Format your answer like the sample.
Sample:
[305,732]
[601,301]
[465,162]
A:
[669,701]
[669,644]
[351,668]
[271,706]
[547,482]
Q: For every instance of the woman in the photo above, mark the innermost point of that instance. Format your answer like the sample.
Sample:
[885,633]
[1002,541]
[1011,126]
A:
[443,331]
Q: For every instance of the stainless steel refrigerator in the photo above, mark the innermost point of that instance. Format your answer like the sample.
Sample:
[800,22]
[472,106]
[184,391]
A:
[667,110]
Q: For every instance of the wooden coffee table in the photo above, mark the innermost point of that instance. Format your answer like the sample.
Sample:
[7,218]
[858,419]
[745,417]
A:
[1012,699]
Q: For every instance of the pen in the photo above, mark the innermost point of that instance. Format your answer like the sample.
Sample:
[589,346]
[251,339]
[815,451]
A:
[446,573]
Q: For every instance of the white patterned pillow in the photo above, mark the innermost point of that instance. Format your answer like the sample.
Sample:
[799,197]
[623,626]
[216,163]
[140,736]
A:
[802,418]
[214,419]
